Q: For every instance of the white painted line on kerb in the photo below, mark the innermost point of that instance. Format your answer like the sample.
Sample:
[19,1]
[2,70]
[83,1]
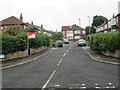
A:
[44,86]
[64,54]
[60,62]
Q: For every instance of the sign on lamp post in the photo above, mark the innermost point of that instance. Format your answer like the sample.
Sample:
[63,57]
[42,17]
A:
[30,35]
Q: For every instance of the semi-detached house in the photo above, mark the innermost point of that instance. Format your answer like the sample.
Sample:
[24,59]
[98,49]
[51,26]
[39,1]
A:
[11,22]
[73,32]
[112,25]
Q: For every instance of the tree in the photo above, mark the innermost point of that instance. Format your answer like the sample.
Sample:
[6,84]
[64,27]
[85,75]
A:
[87,30]
[98,20]
[30,28]
[14,30]
[92,30]
[57,36]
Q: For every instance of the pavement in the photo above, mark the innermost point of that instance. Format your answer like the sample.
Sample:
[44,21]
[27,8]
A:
[98,56]
[24,60]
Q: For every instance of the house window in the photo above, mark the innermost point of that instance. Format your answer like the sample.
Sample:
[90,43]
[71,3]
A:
[1,28]
[109,24]
[105,26]
[83,32]
[77,32]
[113,21]
[69,32]
[117,20]
[77,37]
[69,37]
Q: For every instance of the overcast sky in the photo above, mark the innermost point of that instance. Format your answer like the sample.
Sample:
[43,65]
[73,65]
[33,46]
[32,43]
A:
[56,13]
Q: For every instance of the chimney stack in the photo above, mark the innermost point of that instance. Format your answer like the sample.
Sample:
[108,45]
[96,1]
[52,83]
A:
[41,26]
[113,15]
[21,17]
[32,23]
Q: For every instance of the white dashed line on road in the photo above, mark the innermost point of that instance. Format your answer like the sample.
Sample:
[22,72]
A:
[67,51]
[64,54]
[44,86]
[60,62]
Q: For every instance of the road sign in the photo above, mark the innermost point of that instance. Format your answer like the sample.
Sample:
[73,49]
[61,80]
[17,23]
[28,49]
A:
[31,34]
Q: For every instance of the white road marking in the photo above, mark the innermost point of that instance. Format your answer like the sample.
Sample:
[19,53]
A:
[64,54]
[110,83]
[83,84]
[67,51]
[44,86]
[56,85]
[60,62]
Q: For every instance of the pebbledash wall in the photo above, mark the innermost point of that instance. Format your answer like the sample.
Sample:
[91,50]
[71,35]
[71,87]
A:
[20,54]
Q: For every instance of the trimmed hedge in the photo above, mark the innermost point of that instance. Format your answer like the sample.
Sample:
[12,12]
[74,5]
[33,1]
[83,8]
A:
[39,40]
[104,41]
[11,44]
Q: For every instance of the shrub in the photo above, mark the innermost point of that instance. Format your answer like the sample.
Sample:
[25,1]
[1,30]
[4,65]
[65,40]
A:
[13,30]
[39,40]
[104,41]
[11,44]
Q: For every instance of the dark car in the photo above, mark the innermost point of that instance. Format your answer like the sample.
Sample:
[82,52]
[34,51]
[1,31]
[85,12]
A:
[81,42]
[59,43]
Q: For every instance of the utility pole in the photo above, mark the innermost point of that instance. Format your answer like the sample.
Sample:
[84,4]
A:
[79,22]
[89,24]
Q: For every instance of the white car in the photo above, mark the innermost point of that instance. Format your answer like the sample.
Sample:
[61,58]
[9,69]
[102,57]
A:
[66,41]
[81,42]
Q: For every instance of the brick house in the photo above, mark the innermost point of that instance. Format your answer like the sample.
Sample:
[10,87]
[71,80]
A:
[12,21]
[73,32]
[112,25]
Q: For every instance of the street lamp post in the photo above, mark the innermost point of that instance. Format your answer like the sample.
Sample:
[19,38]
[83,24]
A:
[79,22]
[89,24]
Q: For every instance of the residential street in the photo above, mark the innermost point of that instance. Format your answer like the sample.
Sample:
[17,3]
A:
[66,67]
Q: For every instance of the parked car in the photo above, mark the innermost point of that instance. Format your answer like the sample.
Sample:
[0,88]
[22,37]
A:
[59,43]
[66,41]
[81,42]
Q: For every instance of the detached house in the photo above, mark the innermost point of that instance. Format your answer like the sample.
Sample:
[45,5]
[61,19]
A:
[12,21]
[73,32]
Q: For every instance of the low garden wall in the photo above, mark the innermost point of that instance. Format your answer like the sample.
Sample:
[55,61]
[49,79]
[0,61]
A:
[20,54]
[112,54]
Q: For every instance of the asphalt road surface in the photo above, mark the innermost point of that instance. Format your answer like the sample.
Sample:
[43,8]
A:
[66,67]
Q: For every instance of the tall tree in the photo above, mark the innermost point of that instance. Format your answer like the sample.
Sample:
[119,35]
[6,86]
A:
[92,30]
[98,20]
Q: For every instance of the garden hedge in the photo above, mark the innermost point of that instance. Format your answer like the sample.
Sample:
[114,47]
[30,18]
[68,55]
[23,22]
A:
[104,41]
[11,44]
